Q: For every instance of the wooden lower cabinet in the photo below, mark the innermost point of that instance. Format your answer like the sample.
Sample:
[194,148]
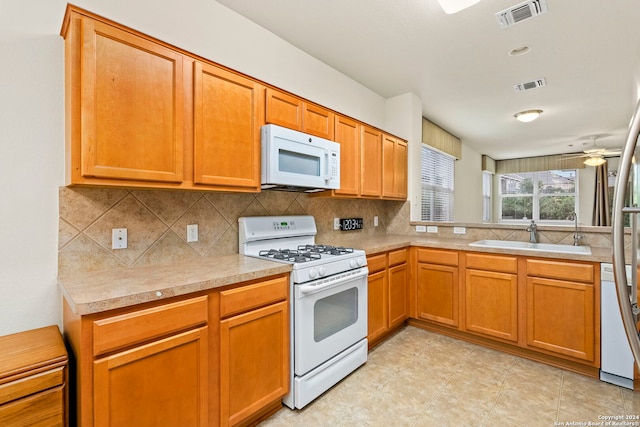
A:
[33,379]
[541,308]
[437,286]
[388,293]
[254,349]
[563,309]
[160,383]
[377,301]
[219,357]
[491,296]
[398,294]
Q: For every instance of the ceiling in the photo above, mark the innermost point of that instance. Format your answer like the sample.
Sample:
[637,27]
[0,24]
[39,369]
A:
[459,65]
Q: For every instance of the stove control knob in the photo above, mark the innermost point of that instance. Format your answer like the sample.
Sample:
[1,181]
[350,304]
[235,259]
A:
[353,263]
[360,262]
[312,273]
[322,271]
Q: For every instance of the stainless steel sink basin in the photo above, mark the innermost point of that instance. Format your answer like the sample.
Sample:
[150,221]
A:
[541,247]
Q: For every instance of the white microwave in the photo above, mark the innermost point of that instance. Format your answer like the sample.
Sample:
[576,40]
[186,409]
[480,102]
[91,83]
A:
[295,161]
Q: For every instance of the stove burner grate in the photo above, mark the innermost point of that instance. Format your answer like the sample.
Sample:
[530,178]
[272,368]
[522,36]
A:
[326,249]
[291,255]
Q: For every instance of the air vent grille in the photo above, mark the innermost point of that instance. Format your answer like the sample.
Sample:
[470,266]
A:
[521,12]
[533,84]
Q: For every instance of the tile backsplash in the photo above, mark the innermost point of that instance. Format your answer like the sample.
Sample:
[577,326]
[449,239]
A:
[157,223]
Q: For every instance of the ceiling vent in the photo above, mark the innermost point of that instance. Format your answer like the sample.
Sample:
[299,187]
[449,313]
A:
[533,84]
[521,12]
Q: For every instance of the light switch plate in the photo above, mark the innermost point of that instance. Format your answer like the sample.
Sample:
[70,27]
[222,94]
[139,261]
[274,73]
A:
[192,233]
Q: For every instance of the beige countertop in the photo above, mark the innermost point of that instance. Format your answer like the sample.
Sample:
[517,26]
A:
[372,245]
[99,291]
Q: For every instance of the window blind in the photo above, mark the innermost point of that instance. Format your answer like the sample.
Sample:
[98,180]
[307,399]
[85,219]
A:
[437,176]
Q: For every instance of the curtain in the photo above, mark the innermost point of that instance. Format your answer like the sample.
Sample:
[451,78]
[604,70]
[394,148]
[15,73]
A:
[601,214]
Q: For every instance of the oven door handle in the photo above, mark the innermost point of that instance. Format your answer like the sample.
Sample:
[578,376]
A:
[332,282]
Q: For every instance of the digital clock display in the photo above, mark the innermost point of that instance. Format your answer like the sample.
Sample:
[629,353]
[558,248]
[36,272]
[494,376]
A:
[349,224]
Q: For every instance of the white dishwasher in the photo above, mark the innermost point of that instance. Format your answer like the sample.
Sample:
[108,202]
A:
[616,361]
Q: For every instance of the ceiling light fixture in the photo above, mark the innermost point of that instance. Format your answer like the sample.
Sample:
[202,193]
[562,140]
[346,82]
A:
[454,6]
[595,161]
[527,116]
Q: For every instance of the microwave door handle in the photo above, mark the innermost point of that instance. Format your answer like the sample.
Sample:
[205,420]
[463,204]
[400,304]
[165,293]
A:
[327,167]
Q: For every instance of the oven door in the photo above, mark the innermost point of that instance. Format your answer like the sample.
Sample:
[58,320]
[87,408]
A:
[330,316]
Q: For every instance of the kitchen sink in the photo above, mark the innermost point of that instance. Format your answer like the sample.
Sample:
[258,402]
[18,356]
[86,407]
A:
[541,247]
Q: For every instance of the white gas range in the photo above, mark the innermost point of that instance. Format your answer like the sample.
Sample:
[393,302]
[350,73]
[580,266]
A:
[328,301]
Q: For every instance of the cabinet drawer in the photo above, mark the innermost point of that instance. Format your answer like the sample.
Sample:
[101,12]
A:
[249,297]
[561,270]
[131,328]
[437,256]
[32,384]
[503,264]
[42,409]
[377,263]
[398,257]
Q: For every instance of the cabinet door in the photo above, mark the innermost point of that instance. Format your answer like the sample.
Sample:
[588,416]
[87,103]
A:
[347,134]
[283,109]
[437,293]
[561,317]
[394,168]
[132,110]
[491,304]
[318,121]
[227,129]
[164,382]
[254,362]
[371,162]
[398,295]
[378,312]
[401,158]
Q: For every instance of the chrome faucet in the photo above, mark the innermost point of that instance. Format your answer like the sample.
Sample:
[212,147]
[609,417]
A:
[533,229]
[576,236]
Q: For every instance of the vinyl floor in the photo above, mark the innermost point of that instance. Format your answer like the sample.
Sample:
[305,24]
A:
[419,378]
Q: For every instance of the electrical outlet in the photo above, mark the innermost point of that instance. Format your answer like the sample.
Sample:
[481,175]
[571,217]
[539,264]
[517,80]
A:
[420,228]
[192,233]
[336,223]
[432,229]
[459,230]
[119,238]
[375,221]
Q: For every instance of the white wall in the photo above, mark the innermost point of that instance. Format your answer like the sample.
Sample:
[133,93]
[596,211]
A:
[404,119]
[468,187]
[32,119]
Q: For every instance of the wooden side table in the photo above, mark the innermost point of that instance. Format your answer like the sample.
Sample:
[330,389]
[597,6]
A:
[33,378]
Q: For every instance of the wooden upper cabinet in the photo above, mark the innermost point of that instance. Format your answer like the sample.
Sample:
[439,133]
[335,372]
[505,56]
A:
[394,167]
[371,161]
[318,121]
[347,134]
[130,114]
[283,109]
[294,113]
[227,111]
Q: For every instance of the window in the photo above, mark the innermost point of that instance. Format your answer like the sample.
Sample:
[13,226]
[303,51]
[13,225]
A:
[436,179]
[486,196]
[542,196]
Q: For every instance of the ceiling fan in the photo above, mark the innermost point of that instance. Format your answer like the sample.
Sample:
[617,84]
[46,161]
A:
[596,156]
